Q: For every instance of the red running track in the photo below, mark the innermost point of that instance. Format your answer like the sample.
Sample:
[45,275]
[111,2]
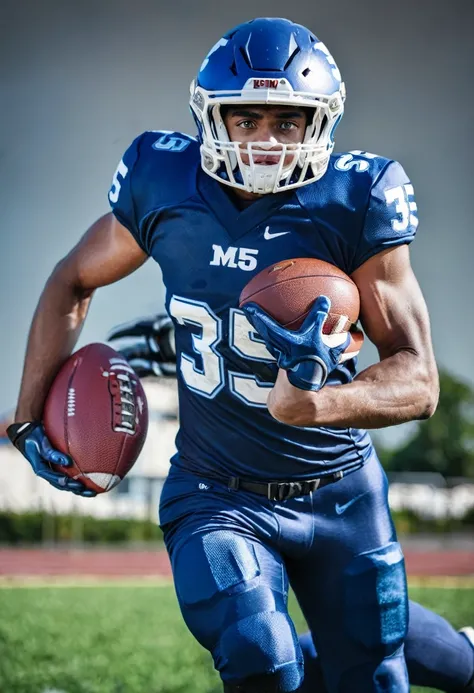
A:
[123,564]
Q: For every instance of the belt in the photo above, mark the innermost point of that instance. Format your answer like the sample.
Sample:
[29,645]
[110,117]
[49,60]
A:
[282,490]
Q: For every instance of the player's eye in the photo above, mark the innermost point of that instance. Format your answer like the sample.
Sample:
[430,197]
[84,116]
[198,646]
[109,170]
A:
[288,125]
[246,124]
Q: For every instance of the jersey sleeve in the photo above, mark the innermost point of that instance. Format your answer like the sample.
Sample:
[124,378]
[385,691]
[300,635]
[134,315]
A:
[391,217]
[121,193]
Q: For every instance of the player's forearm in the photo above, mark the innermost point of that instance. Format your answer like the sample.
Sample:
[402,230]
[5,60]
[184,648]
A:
[54,331]
[399,389]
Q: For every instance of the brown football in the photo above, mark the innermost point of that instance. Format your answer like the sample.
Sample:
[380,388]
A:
[287,290]
[96,412]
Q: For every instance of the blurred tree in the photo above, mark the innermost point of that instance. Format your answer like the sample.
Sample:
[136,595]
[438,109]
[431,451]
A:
[444,443]
[384,452]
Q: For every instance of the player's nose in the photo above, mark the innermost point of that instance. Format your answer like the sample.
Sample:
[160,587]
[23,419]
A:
[266,154]
[268,143]
[266,151]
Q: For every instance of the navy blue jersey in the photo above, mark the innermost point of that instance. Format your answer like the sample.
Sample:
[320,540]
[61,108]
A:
[208,249]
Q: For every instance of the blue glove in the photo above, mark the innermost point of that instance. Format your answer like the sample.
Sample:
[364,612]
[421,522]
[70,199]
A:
[30,439]
[148,345]
[307,354]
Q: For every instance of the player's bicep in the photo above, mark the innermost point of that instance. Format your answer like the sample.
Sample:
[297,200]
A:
[393,311]
[106,253]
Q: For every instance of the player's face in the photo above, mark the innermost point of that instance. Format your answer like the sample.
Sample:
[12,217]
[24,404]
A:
[275,125]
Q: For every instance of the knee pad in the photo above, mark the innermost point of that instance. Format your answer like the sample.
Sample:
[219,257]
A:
[389,676]
[237,611]
[262,647]
[375,599]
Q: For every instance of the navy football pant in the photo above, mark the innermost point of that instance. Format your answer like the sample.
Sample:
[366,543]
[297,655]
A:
[436,655]
[234,554]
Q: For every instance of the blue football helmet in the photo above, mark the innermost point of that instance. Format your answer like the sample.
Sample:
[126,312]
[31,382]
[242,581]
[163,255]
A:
[276,62]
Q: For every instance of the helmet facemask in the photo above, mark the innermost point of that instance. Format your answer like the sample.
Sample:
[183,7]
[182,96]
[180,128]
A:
[297,164]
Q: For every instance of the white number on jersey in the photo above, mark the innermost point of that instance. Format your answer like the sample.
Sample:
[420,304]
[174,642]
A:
[248,344]
[405,206]
[120,173]
[210,379]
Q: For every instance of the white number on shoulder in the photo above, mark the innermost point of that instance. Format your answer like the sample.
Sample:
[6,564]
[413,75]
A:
[117,181]
[170,142]
[405,206]
[360,164]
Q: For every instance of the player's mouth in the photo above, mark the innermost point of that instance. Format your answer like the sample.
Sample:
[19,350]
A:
[267,159]
[271,158]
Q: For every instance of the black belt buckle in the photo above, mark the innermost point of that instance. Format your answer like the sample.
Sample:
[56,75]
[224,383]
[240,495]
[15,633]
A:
[281,491]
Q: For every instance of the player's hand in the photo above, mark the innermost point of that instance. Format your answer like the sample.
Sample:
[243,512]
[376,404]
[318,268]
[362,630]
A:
[30,439]
[149,346]
[307,354]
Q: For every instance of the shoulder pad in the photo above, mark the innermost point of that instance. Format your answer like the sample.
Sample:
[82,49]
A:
[367,201]
[158,170]
[166,168]
[383,193]
[357,162]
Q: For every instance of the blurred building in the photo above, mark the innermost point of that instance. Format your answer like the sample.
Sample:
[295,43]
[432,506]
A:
[429,495]
[136,496]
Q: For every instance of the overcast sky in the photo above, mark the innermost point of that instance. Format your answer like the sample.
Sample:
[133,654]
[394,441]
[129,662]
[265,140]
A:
[81,79]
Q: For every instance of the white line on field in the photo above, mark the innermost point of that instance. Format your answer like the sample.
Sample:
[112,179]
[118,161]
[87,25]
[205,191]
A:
[28,582]
[42,582]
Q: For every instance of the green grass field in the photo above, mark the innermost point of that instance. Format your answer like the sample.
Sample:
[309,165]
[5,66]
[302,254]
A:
[124,639]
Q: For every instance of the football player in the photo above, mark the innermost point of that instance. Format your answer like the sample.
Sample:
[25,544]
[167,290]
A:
[275,480]
[436,655]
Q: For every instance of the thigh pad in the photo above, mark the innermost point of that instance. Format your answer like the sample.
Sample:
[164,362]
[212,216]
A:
[375,598]
[212,563]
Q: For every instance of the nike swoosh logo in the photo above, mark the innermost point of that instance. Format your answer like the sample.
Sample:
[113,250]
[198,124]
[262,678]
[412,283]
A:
[267,235]
[340,509]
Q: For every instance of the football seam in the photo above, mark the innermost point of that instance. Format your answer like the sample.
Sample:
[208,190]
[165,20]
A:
[306,313]
[66,407]
[306,276]
[119,458]
[125,438]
